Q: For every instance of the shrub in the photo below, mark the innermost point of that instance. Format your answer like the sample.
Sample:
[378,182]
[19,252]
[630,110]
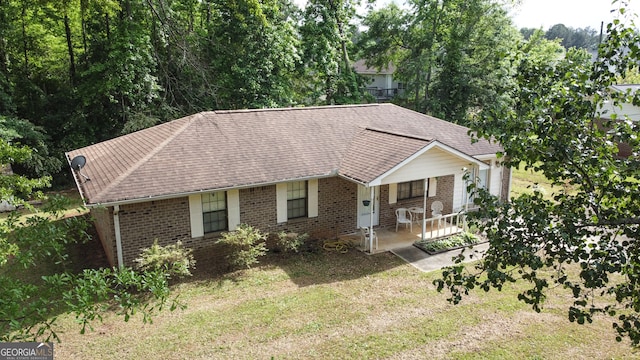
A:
[175,259]
[246,243]
[291,241]
[451,242]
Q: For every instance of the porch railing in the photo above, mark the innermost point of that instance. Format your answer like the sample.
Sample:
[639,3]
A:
[445,225]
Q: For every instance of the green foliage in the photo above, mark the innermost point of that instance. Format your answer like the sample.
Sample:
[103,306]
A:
[449,54]
[326,33]
[17,189]
[592,220]
[173,258]
[455,241]
[291,241]
[246,245]
[24,133]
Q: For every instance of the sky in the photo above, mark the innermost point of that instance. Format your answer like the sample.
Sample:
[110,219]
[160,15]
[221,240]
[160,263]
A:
[571,13]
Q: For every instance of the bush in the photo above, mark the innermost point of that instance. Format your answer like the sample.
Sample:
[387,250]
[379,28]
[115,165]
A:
[291,241]
[175,259]
[451,242]
[246,243]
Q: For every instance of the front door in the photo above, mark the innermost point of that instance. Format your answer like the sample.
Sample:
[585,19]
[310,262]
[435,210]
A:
[364,211]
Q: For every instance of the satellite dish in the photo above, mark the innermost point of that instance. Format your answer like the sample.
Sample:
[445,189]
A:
[78,162]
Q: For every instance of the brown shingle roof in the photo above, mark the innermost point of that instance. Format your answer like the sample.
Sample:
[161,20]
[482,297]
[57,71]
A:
[225,149]
[372,153]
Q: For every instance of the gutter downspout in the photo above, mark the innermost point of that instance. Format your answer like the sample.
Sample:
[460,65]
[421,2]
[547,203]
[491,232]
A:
[116,226]
[373,205]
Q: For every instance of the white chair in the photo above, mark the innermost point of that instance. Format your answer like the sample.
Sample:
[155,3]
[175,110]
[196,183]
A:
[436,211]
[364,238]
[403,216]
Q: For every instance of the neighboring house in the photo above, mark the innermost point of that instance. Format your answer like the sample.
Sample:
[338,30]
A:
[381,84]
[622,111]
[293,169]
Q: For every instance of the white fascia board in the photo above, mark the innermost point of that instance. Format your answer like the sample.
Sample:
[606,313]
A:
[486,157]
[434,144]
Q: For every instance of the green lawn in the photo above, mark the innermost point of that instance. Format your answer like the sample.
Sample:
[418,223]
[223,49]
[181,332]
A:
[342,306]
[523,182]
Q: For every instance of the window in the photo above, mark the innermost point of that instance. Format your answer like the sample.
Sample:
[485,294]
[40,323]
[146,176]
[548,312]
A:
[400,86]
[408,190]
[296,199]
[214,211]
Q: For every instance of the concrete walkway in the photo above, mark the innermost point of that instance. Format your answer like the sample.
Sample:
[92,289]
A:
[426,262]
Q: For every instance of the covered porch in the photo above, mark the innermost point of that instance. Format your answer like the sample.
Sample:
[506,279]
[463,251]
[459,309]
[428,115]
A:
[387,239]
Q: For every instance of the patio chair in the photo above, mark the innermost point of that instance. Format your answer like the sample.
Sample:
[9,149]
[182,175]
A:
[403,216]
[364,238]
[436,211]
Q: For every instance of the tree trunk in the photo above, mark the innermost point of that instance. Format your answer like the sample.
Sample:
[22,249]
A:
[72,63]
[83,8]
[24,39]
[343,41]
[430,42]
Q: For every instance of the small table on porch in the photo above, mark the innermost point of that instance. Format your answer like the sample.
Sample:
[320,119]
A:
[416,213]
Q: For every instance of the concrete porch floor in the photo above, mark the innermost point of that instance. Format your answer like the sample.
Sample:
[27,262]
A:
[389,239]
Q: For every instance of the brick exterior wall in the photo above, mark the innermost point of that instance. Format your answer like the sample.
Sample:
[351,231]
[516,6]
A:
[337,201]
[103,222]
[142,223]
[169,221]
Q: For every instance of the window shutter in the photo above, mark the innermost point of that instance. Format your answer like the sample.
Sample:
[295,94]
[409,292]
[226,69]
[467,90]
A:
[195,215]
[393,193]
[312,193]
[233,208]
[433,186]
[281,202]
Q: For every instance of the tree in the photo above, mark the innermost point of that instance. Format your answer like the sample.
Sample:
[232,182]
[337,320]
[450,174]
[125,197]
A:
[326,64]
[448,53]
[586,238]
[252,50]
[585,38]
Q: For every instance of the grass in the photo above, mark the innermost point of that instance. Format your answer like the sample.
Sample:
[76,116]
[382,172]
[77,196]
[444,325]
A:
[524,181]
[342,306]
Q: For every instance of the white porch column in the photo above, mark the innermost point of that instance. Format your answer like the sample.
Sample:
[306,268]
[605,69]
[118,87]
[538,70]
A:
[372,204]
[424,207]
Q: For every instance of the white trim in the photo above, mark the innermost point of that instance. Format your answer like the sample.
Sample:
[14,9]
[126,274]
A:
[233,209]
[378,181]
[433,186]
[486,157]
[393,193]
[195,215]
[312,194]
[281,203]
[116,227]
